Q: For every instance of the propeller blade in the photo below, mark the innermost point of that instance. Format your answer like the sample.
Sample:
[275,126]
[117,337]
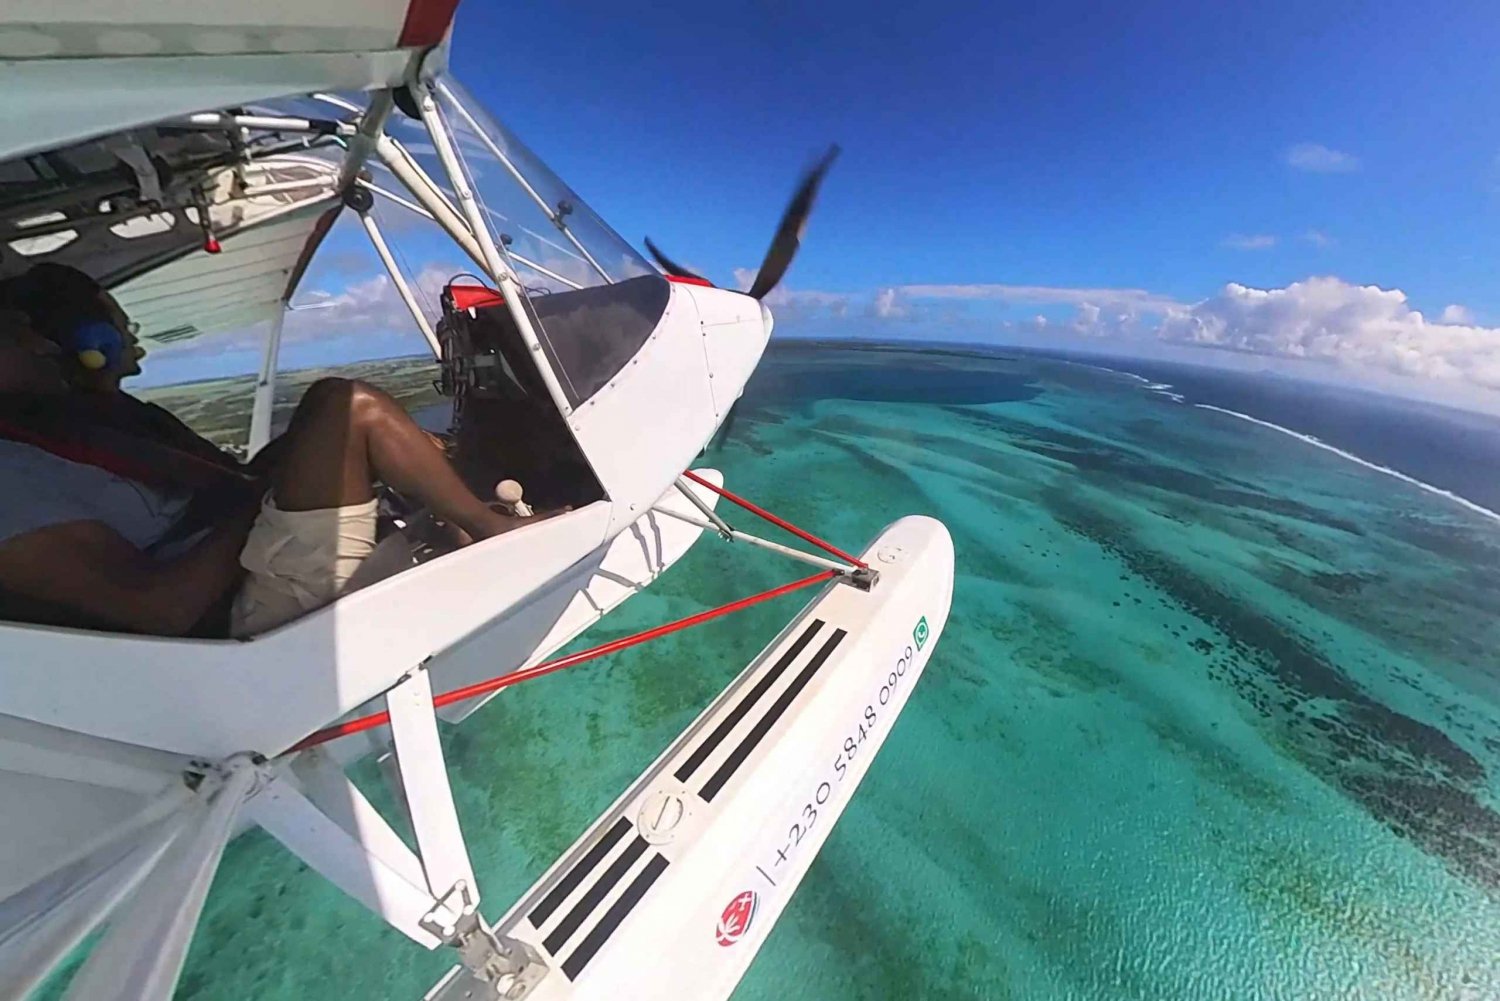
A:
[789,234]
[668,265]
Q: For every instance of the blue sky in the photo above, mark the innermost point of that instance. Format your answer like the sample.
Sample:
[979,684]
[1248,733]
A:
[1088,145]
[1061,173]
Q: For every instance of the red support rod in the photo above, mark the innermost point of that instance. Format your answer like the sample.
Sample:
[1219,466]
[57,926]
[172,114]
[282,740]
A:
[756,509]
[547,667]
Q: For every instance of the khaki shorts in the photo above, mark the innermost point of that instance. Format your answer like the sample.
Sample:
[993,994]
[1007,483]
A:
[298,561]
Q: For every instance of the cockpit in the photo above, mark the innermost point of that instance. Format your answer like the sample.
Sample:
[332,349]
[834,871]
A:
[206,224]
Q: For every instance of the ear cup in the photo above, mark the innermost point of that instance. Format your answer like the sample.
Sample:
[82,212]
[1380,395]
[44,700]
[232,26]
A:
[97,345]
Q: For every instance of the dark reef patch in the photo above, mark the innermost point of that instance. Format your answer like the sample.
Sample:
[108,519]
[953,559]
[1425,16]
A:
[1450,541]
[1101,460]
[1407,774]
[1342,583]
[849,377]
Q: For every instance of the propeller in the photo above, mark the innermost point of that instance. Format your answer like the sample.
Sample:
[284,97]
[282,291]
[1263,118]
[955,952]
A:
[788,234]
[668,265]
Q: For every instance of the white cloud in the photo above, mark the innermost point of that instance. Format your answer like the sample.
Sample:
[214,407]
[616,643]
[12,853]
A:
[1319,159]
[887,304]
[1329,320]
[1318,238]
[1369,332]
[1088,318]
[794,303]
[367,306]
[1255,241]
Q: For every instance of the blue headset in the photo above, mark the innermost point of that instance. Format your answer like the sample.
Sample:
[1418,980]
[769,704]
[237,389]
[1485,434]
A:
[97,345]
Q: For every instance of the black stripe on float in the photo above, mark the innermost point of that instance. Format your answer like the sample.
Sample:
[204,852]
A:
[767,721]
[576,874]
[747,703]
[585,906]
[601,932]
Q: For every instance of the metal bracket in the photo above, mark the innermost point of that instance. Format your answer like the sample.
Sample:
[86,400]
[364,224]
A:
[128,150]
[725,531]
[448,914]
[493,966]
[860,578]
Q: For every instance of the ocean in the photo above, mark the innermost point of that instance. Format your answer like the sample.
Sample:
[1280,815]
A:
[1216,713]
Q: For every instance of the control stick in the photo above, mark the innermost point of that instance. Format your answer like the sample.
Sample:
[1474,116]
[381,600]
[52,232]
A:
[508,493]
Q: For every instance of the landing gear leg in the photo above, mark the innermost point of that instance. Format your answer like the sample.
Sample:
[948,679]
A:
[430,895]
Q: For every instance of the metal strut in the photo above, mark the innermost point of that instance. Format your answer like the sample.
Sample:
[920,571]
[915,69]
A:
[852,571]
[431,894]
[547,667]
[781,523]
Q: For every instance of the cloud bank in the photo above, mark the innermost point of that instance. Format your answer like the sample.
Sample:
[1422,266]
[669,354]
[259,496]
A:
[365,306]
[1364,329]
[1328,320]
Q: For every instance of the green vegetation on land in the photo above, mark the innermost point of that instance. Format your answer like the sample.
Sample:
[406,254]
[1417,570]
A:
[219,409]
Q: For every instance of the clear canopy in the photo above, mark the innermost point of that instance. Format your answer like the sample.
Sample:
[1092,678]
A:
[593,299]
[552,238]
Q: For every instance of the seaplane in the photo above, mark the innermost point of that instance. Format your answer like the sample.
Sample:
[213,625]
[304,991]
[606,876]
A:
[194,159]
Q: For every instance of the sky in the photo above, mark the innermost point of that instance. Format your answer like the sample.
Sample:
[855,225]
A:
[1312,187]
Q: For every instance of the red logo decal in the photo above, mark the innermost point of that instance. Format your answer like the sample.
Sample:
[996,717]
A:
[734,923]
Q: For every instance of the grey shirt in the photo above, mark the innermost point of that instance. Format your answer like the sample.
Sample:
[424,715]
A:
[38,489]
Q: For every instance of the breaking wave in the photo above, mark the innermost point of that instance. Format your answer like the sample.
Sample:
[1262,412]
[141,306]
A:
[1387,470]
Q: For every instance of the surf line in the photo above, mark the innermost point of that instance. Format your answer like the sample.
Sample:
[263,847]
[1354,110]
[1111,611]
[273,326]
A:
[1159,388]
[1387,470]
[1111,371]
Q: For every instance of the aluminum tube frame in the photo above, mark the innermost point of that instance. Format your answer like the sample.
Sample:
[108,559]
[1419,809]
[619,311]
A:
[735,535]
[505,278]
[719,523]
[219,120]
[552,214]
[403,289]
[265,387]
[284,187]
[409,173]
[362,142]
[419,210]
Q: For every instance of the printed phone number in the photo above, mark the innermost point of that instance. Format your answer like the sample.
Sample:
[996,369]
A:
[854,740]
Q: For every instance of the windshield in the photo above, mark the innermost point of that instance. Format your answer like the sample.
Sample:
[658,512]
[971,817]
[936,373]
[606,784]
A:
[593,300]
[554,240]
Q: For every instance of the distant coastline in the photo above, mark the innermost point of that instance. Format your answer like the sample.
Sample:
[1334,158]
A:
[1442,450]
[1445,451]
[1168,391]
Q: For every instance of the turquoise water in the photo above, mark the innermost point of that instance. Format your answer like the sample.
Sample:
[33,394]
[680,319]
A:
[1215,715]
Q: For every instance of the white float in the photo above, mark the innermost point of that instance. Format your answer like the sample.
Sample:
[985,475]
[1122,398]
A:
[207,155]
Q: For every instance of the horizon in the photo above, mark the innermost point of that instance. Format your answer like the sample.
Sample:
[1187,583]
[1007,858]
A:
[979,348]
[1301,192]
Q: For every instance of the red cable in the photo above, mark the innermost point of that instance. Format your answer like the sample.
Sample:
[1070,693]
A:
[778,522]
[547,667]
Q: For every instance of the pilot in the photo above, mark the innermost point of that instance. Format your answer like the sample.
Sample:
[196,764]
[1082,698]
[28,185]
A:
[97,534]
[99,349]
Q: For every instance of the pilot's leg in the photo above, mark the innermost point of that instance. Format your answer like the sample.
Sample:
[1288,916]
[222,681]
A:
[347,434]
